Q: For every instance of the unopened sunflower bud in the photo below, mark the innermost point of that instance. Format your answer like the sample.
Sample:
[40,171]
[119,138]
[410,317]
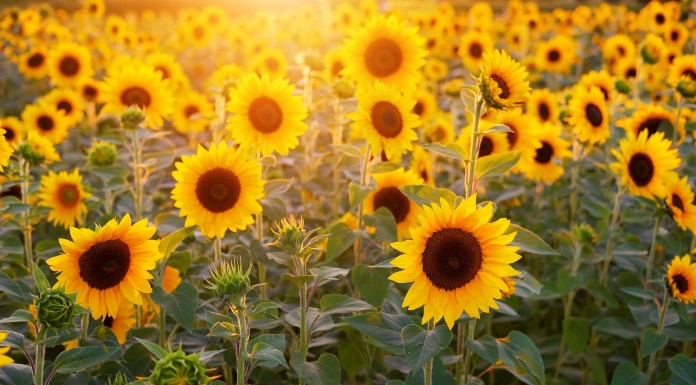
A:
[290,235]
[102,154]
[622,86]
[229,282]
[55,309]
[119,379]
[343,89]
[314,61]
[687,87]
[584,234]
[131,118]
[179,368]
[652,49]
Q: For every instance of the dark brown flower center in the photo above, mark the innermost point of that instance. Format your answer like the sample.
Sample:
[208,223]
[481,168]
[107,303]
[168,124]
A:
[336,68]
[383,57]
[641,169]
[45,123]
[512,136]
[677,202]
[218,190]
[544,111]
[553,55]
[652,125]
[36,60]
[198,32]
[69,66]
[136,96]
[272,64]
[594,115]
[9,134]
[393,199]
[451,258]
[65,105]
[544,154]
[505,90]
[68,195]
[631,73]
[14,191]
[164,70]
[190,110]
[89,92]
[105,264]
[418,108]
[486,147]
[674,35]
[265,115]
[108,322]
[660,18]
[690,73]
[681,283]
[621,50]
[475,50]
[386,119]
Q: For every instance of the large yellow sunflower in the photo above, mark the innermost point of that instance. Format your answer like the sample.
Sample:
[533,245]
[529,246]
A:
[65,195]
[14,130]
[543,164]
[387,194]
[385,120]
[138,84]
[681,276]
[385,49]
[544,105]
[589,116]
[122,322]
[218,189]
[650,118]
[46,120]
[503,81]
[645,162]
[267,116]
[68,62]
[456,260]
[108,264]
[680,200]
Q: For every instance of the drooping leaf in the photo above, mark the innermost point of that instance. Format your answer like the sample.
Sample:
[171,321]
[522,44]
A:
[421,345]
[81,358]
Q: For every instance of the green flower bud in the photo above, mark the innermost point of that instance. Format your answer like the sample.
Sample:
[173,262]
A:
[102,154]
[119,379]
[229,282]
[30,154]
[290,235]
[314,61]
[343,89]
[55,309]
[687,87]
[131,118]
[623,86]
[181,369]
[584,234]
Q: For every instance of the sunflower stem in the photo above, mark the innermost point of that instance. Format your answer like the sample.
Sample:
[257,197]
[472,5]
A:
[364,177]
[675,129]
[428,369]
[217,249]
[138,198]
[473,150]
[24,174]
[336,140]
[574,171]
[461,339]
[304,343]
[651,253]
[660,325]
[471,332]
[162,327]
[612,226]
[40,350]
[85,325]
[263,290]
[243,337]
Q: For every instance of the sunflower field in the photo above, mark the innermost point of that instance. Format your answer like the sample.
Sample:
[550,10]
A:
[348,192]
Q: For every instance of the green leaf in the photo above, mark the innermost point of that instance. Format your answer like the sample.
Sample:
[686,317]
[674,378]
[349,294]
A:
[427,195]
[449,150]
[421,345]
[522,358]
[277,187]
[342,237]
[383,167]
[602,292]
[261,308]
[224,330]
[155,349]
[182,303]
[616,326]
[352,352]
[384,223]
[497,128]
[19,315]
[627,373]
[15,290]
[180,260]
[169,243]
[576,332]
[357,194]
[326,274]
[371,282]
[383,329]
[530,242]
[40,279]
[266,356]
[348,150]
[276,341]
[653,341]
[15,374]
[565,283]
[13,339]
[325,371]
[298,280]
[486,347]
[339,303]
[596,364]
[638,292]
[76,359]
[496,164]
[683,370]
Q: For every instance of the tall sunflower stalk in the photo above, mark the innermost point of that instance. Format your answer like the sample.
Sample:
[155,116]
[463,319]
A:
[25,178]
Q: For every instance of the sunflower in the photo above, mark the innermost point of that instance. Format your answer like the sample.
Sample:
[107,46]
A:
[600,79]
[192,112]
[385,120]
[523,136]
[682,66]
[65,195]
[589,116]
[46,120]
[346,17]
[69,62]
[426,104]
[34,64]
[456,260]
[650,118]
[422,164]
[680,200]
[618,47]
[197,32]
[503,81]
[491,143]
[385,49]
[138,84]
[387,194]
[440,130]
[542,164]
[42,150]
[544,105]
[517,38]
[122,322]
[435,69]
[89,90]
[625,69]
[557,55]
[218,189]
[108,264]
[271,62]
[94,8]
[4,359]
[676,35]
[681,276]
[472,46]
[267,116]
[645,162]
[5,150]
[69,101]
[170,69]
[172,279]
[653,49]
[333,64]
[14,130]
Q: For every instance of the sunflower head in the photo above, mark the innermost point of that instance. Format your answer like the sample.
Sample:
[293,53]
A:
[503,81]
[102,154]
[132,117]
[36,149]
[681,279]
[229,281]
[64,194]
[179,368]
[687,87]
[343,89]
[55,309]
